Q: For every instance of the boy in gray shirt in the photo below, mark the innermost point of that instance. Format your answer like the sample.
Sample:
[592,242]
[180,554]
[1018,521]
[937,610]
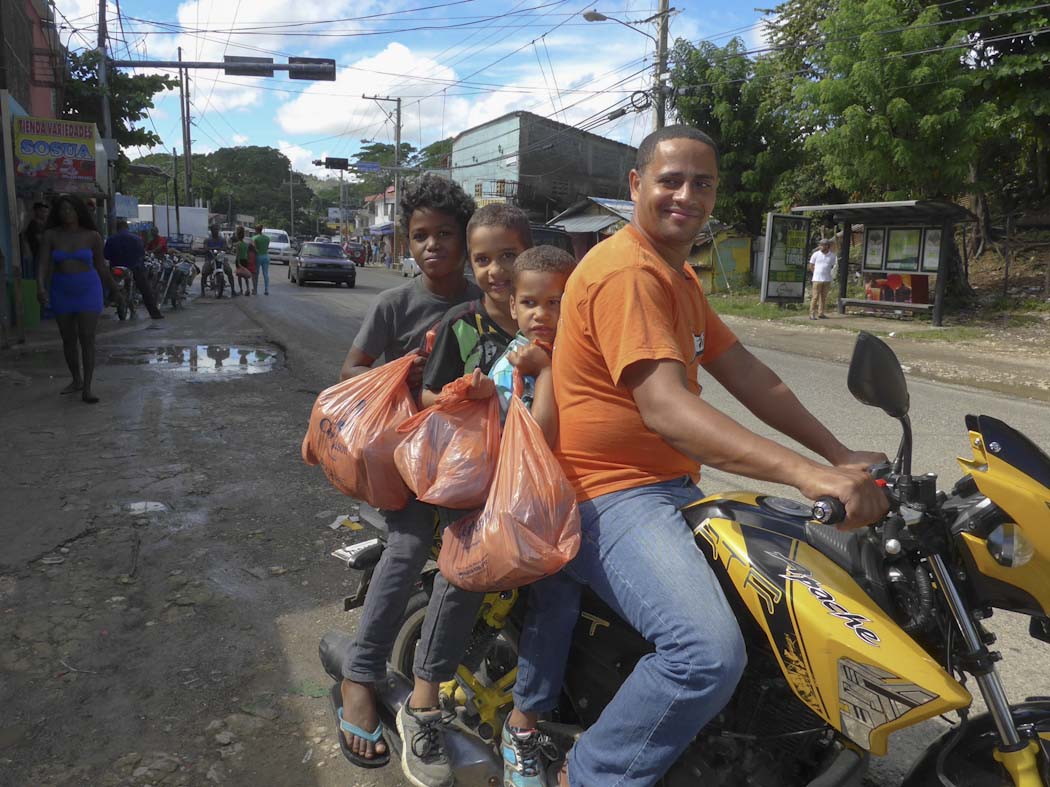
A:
[434,214]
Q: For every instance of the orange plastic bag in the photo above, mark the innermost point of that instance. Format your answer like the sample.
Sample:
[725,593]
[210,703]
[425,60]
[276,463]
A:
[530,526]
[353,434]
[449,454]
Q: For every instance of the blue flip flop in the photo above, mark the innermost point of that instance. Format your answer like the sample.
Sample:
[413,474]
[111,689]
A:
[372,737]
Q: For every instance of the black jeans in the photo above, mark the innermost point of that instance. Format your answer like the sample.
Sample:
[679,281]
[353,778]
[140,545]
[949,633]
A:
[142,284]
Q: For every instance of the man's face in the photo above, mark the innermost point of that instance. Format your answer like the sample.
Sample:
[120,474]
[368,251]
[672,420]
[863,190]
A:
[41,213]
[675,193]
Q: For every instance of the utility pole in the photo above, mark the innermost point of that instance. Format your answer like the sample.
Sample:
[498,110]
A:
[342,207]
[661,66]
[184,110]
[175,179]
[107,120]
[291,198]
[397,163]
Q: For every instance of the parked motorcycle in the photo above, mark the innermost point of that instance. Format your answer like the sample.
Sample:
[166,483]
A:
[216,273]
[126,287]
[850,635]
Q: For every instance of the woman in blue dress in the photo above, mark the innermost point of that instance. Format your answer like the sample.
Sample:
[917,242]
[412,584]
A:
[69,279]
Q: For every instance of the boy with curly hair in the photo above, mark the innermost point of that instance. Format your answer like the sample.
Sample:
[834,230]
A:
[434,216]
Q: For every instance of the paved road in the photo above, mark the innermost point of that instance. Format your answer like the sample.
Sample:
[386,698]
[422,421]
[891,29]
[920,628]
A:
[318,322]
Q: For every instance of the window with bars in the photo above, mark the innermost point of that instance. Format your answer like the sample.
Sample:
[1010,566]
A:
[477,189]
[16,51]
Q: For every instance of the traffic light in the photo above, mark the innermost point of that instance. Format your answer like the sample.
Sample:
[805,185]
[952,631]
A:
[335,163]
[324,72]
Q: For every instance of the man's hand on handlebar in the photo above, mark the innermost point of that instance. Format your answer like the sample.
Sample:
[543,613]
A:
[865,502]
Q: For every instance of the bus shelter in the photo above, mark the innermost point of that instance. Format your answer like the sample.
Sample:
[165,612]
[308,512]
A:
[904,245]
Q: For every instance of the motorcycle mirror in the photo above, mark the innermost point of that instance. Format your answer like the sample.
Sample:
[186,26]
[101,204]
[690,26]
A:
[876,378]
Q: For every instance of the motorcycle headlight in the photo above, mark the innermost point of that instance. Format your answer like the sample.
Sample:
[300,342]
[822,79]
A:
[1009,546]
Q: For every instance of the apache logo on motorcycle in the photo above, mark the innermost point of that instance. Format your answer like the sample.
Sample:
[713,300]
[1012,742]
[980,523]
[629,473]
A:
[796,572]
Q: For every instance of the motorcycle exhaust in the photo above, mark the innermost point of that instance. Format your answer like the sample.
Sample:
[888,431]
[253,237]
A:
[846,770]
[474,763]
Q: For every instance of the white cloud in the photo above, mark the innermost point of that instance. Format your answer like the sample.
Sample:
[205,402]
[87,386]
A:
[302,159]
[239,139]
[317,113]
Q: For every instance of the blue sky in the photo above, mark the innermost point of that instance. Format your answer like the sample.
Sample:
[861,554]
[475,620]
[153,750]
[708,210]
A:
[455,64]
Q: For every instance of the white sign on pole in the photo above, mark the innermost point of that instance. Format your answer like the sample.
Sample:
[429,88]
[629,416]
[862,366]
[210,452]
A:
[785,258]
[125,206]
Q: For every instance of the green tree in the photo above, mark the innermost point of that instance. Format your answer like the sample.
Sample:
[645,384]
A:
[890,107]
[131,97]
[737,100]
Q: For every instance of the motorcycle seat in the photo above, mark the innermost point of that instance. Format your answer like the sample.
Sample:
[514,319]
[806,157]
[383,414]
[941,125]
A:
[855,554]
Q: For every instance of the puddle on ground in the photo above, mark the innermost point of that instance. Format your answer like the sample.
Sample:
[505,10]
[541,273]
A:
[200,359]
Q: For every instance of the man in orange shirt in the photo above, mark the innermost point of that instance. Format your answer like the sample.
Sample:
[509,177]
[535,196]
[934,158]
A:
[635,328]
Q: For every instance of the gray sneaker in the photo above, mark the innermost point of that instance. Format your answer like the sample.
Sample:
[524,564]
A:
[423,756]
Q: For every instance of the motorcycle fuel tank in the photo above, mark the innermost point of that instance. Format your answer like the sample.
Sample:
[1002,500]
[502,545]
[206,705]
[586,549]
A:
[842,655]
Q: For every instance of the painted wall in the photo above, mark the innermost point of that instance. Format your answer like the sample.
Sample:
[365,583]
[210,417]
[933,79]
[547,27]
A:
[561,165]
[486,155]
[734,254]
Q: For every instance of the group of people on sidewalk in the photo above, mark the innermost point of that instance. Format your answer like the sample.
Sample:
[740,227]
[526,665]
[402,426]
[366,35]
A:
[251,256]
[619,402]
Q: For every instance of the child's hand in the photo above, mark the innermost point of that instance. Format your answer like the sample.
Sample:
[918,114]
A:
[530,360]
[481,387]
[415,372]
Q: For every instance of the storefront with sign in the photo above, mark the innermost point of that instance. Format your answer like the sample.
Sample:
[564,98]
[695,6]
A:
[42,157]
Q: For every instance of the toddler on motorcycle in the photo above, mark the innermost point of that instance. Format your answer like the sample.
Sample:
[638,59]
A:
[434,215]
[539,281]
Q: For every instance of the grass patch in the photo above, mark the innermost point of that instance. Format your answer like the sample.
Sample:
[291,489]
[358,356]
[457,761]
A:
[1022,305]
[746,303]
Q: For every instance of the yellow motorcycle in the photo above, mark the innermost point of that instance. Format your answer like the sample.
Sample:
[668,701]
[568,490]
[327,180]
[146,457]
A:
[850,635]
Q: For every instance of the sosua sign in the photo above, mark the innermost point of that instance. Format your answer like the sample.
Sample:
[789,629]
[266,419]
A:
[55,150]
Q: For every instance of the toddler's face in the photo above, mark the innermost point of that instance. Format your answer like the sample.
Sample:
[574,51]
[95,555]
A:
[536,303]
[492,254]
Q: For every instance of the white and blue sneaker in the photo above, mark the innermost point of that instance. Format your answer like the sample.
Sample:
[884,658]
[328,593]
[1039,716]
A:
[525,753]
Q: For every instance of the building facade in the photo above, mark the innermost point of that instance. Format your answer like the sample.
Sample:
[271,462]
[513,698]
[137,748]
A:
[539,164]
[32,72]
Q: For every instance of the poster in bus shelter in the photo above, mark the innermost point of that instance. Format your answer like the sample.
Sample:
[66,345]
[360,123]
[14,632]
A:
[785,258]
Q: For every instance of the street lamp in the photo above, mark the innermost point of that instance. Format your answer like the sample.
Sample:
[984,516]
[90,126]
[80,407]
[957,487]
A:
[661,51]
[596,16]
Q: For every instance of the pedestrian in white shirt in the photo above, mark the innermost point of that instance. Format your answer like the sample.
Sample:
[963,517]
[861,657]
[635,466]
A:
[822,263]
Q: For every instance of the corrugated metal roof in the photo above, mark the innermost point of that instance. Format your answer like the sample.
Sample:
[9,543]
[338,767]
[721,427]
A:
[917,211]
[586,223]
[622,207]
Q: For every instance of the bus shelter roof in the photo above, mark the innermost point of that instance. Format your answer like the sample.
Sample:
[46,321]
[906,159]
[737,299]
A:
[917,211]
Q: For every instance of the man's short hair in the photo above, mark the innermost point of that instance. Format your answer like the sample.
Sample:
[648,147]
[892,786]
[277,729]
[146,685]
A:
[824,242]
[544,259]
[504,216]
[121,225]
[38,205]
[681,131]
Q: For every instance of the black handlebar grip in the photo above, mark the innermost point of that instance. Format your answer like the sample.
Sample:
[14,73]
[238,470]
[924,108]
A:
[829,511]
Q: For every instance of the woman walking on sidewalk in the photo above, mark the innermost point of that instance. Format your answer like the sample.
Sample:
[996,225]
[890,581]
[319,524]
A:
[72,270]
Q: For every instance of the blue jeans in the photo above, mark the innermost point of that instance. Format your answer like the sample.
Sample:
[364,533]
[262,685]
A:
[638,555]
[450,614]
[262,265]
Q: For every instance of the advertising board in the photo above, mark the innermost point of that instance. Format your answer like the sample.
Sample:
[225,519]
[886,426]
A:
[59,155]
[785,258]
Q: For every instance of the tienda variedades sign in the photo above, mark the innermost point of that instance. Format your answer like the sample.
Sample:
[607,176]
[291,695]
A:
[55,150]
